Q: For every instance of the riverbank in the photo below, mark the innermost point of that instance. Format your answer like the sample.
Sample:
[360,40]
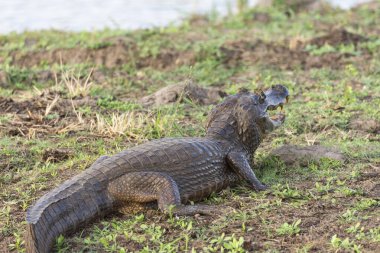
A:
[67,98]
[76,15]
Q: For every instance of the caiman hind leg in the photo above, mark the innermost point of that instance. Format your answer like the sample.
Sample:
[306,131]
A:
[146,187]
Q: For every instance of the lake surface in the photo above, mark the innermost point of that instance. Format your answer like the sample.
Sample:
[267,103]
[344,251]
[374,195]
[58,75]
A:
[76,15]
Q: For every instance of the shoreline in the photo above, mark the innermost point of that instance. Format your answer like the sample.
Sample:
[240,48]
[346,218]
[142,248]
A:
[114,20]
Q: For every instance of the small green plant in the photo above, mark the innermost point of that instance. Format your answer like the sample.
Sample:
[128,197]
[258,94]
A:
[328,163]
[233,244]
[349,96]
[317,51]
[17,77]
[346,244]
[287,192]
[372,46]
[348,49]
[365,204]
[354,174]
[323,188]
[230,243]
[346,191]
[99,44]
[109,242]
[18,243]
[153,232]
[60,243]
[289,229]
[351,71]
[184,224]
[111,103]
[357,230]
[374,234]
[170,213]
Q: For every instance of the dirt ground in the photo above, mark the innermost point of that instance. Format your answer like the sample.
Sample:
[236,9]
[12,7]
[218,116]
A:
[67,98]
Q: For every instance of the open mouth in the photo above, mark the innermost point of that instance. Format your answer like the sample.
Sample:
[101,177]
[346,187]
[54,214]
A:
[275,98]
[277,113]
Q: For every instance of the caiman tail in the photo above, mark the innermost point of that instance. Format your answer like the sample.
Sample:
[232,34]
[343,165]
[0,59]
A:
[64,209]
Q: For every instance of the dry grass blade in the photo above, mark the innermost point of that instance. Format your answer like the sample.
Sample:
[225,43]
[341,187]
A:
[75,85]
[37,91]
[35,117]
[50,106]
[78,114]
[118,124]
[73,127]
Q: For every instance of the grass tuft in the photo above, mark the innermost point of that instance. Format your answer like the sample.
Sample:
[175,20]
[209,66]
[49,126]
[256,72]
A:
[74,83]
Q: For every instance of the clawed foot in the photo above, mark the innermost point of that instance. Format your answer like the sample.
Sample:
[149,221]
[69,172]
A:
[261,187]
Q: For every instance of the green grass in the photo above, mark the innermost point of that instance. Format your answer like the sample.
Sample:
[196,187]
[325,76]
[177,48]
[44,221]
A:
[318,206]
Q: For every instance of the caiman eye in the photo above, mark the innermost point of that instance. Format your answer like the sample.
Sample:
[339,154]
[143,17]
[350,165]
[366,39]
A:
[262,97]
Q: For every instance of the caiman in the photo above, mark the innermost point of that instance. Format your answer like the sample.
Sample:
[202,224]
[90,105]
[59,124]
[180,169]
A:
[165,173]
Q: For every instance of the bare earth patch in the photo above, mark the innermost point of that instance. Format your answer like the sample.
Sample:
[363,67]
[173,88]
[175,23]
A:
[290,57]
[303,155]
[337,37]
[365,125]
[124,51]
[114,55]
[57,154]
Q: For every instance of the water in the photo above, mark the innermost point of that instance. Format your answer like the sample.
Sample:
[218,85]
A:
[76,15]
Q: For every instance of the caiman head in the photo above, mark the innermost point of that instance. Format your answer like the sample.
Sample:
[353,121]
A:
[246,117]
[271,100]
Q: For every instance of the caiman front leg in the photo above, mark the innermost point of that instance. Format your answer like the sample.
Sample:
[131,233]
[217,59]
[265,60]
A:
[139,188]
[239,163]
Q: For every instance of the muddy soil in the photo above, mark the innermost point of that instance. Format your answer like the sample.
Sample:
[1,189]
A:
[115,55]
[39,116]
[288,57]
[233,53]
[57,154]
[38,104]
[338,37]
[365,125]
[53,112]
